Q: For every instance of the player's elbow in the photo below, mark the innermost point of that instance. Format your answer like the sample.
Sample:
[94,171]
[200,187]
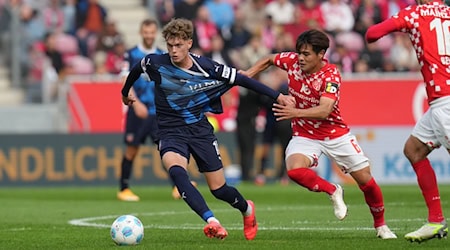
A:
[324,113]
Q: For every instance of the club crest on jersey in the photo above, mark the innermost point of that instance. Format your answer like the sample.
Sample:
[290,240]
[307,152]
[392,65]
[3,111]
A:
[331,87]
[316,84]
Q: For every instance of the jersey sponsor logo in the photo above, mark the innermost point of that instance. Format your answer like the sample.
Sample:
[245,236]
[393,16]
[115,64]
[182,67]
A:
[202,86]
[331,87]
[305,89]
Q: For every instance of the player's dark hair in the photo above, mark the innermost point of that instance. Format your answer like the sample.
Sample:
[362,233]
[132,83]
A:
[180,28]
[317,39]
[148,22]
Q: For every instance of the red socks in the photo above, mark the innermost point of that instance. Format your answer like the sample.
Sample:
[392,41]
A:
[309,179]
[374,199]
[426,179]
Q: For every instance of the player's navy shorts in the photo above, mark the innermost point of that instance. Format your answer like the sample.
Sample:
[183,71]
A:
[137,130]
[269,130]
[197,139]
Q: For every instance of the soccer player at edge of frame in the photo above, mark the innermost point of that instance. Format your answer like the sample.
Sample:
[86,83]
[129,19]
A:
[187,86]
[428,27]
[318,127]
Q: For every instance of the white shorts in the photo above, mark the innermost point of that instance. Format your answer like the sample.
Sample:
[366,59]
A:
[433,128]
[345,151]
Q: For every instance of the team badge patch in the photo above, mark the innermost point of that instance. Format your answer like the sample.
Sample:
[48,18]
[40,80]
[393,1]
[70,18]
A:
[316,85]
[331,87]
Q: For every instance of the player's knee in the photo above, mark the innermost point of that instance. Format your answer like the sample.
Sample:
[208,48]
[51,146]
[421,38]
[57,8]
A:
[177,173]
[362,175]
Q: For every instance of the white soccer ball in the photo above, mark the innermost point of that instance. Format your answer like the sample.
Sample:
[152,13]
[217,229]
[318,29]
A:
[127,230]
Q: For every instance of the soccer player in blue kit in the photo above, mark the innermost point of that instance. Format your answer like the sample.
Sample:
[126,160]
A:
[187,86]
[141,116]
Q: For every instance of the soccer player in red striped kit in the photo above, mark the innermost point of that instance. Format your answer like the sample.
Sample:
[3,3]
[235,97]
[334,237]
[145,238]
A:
[428,27]
[318,127]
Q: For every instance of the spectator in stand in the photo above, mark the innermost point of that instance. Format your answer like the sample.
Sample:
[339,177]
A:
[373,56]
[269,32]
[239,34]
[114,58]
[361,66]
[90,19]
[187,8]
[69,10]
[33,25]
[222,15]
[338,16]
[340,56]
[53,17]
[309,16]
[402,54]
[204,30]
[58,66]
[281,11]
[251,52]
[47,64]
[218,51]
[367,14]
[109,37]
[165,10]
[35,73]
[255,14]
[283,42]
[55,56]
[31,31]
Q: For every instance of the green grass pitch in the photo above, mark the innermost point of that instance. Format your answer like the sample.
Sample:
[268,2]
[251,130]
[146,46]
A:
[289,217]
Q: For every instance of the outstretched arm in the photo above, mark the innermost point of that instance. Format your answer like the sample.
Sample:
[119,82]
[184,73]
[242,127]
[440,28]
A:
[261,88]
[261,65]
[134,74]
[379,30]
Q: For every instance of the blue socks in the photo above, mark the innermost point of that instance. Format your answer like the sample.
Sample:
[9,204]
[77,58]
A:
[189,193]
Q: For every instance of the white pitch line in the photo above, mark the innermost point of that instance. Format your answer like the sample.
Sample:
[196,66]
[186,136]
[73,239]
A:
[91,221]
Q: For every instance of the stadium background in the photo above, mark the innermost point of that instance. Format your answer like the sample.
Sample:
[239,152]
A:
[65,129]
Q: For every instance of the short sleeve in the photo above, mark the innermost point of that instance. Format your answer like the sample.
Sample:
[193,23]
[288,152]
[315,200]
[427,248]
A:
[332,80]
[284,59]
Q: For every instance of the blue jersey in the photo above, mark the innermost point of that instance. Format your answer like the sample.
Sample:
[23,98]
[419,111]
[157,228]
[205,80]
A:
[143,87]
[183,96]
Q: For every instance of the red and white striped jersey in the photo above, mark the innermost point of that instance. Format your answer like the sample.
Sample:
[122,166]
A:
[428,26]
[307,90]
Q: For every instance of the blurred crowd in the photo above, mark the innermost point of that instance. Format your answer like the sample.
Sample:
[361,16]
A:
[79,37]
[243,30]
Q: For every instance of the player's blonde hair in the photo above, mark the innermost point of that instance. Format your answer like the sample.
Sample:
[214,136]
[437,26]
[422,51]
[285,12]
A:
[179,28]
